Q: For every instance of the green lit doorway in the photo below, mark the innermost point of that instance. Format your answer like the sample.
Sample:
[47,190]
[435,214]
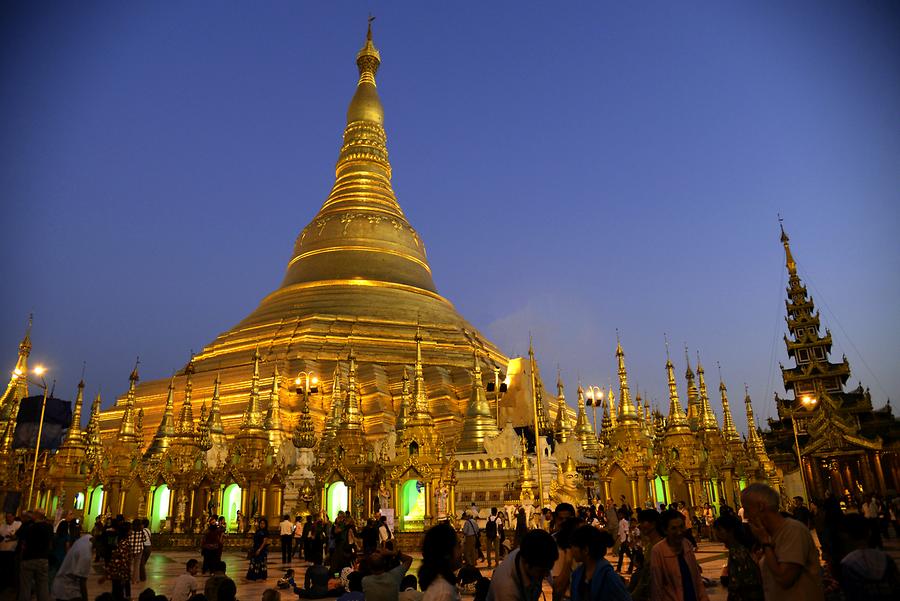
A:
[337,497]
[160,507]
[412,505]
[94,507]
[231,503]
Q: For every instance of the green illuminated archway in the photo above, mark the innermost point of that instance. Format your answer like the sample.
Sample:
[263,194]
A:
[231,502]
[412,505]
[160,510]
[94,507]
[336,498]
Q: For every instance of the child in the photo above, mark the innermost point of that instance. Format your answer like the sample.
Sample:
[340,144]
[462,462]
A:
[186,584]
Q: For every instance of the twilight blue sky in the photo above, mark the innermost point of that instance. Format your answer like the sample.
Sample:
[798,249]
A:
[572,167]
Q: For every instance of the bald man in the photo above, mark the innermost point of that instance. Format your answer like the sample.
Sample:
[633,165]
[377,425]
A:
[790,566]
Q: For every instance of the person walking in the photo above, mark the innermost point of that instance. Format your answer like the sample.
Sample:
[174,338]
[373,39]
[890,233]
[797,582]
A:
[8,544]
[145,553]
[492,528]
[299,531]
[790,565]
[741,575]
[521,525]
[595,578]
[136,549]
[674,572]
[470,533]
[118,568]
[648,525]
[211,547]
[624,536]
[286,533]
[521,576]
[259,552]
[441,558]
[35,537]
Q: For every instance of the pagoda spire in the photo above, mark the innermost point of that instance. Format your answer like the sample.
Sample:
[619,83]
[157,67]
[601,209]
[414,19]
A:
[333,419]
[563,429]
[253,414]
[788,256]
[420,399]
[304,436]
[165,432]
[127,429]
[479,423]
[352,418]
[627,412]
[708,420]
[538,396]
[405,398]
[728,430]
[754,441]
[583,431]
[92,433]
[677,420]
[186,419]
[16,390]
[214,421]
[273,414]
[693,396]
[75,436]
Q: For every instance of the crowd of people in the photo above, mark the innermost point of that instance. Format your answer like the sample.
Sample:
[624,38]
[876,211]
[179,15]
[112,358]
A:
[827,550]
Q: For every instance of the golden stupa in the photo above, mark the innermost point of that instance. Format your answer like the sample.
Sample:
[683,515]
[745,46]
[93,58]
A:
[358,281]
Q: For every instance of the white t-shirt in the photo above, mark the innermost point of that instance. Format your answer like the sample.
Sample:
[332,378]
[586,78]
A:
[287,528]
[75,567]
[185,586]
[9,530]
[623,530]
[146,537]
[440,590]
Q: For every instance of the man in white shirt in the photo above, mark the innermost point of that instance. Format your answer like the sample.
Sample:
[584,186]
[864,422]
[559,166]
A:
[70,583]
[384,532]
[286,530]
[186,584]
[8,544]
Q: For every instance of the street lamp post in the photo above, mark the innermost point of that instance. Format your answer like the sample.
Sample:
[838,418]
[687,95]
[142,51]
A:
[39,371]
[305,378]
[497,387]
[595,398]
[808,403]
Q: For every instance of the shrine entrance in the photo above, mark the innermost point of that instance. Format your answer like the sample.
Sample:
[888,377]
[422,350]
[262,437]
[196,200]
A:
[231,503]
[411,508]
[337,498]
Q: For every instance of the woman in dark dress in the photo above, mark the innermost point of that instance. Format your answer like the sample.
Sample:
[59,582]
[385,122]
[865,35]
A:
[259,552]
[211,547]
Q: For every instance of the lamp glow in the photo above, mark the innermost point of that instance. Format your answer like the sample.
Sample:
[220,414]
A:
[39,370]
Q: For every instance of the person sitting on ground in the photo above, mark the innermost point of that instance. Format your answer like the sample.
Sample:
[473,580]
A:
[866,574]
[148,594]
[383,584]
[409,589]
[521,575]
[595,578]
[215,580]
[227,590]
[441,557]
[316,584]
[354,588]
[186,584]
[271,594]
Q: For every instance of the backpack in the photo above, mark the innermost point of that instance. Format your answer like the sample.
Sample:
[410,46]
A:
[490,529]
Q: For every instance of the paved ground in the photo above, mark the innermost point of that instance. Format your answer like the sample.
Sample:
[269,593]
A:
[164,567]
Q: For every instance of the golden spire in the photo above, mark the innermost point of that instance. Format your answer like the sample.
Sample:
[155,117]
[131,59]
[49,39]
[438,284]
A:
[479,422]
[352,418]
[707,417]
[563,429]
[627,412]
[405,398]
[304,433]
[76,412]
[203,437]
[526,481]
[693,395]
[754,442]
[215,414]
[728,429]
[360,233]
[273,414]
[92,433]
[186,420]
[788,257]
[252,414]
[583,431]
[543,423]
[420,400]
[16,390]
[677,419]
[21,384]
[165,432]
[127,431]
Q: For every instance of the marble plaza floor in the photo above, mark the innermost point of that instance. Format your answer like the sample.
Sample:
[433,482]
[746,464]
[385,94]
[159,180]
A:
[164,566]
